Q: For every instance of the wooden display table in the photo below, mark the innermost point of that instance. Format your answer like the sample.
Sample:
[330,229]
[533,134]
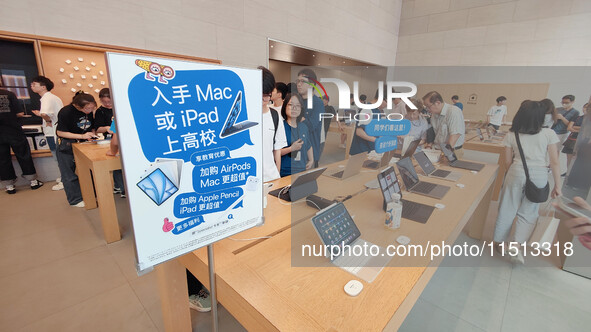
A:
[258,285]
[473,142]
[92,163]
[348,130]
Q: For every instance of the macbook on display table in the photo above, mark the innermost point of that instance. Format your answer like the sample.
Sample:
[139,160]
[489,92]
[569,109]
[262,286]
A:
[353,167]
[412,183]
[455,162]
[430,170]
[410,210]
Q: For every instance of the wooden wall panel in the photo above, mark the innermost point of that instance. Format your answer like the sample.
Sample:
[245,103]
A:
[85,71]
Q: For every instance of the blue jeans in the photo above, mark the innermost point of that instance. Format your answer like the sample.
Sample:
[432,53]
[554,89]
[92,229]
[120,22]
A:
[67,166]
[118,181]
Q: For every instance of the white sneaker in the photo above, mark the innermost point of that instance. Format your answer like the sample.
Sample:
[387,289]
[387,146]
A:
[58,186]
[10,189]
[201,301]
[80,204]
[516,256]
[58,179]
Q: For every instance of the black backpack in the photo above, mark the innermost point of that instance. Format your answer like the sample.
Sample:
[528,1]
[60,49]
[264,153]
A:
[275,117]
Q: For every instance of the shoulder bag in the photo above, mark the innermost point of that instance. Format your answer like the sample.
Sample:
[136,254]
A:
[532,192]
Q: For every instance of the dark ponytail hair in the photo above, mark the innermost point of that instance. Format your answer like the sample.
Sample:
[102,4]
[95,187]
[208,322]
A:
[81,99]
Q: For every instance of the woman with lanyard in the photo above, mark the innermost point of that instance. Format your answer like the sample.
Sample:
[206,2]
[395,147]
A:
[298,155]
[73,125]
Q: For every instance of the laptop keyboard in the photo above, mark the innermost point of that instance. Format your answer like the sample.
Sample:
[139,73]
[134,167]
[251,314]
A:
[467,165]
[409,208]
[338,174]
[352,263]
[441,173]
[371,164]
[424,187]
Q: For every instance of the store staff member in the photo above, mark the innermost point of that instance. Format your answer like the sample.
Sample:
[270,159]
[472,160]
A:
[447,121]
[362,142]
[73,125]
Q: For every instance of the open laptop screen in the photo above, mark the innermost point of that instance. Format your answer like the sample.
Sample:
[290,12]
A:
[407,172]
[308,176]
[412,147]
[449,154]
[424,162]
[335,226]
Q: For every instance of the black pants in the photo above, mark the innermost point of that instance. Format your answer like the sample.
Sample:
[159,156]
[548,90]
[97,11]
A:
[67,166]
[17,141]
[193,284]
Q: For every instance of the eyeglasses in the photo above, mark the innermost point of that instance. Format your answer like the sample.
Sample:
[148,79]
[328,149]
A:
[295,107]
[301,81]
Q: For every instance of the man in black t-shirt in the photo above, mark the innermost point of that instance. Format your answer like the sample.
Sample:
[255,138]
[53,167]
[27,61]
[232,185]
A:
[13,137]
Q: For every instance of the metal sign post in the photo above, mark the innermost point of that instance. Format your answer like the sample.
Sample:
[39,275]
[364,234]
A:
[212,291]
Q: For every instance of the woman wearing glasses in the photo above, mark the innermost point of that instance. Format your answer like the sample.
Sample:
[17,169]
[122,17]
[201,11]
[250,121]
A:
[73,125]
[298,155]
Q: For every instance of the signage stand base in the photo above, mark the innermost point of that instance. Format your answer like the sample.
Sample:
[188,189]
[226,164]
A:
[212,292]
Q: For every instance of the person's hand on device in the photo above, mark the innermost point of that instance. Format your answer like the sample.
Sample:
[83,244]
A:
[580,225]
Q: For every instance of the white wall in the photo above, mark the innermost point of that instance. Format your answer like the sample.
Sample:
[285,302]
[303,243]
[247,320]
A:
[495,32]
[233,31]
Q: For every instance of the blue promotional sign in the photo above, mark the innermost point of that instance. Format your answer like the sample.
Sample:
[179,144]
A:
[385,127]
[385,143]
[191,147]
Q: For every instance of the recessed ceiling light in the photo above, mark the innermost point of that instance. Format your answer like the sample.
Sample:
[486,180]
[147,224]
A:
[313,55]
[343,61]
[272,46]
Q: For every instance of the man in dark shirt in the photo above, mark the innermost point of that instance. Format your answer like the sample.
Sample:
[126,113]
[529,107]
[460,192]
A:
[329,110]
[566,114]
[362,142]
[13,137]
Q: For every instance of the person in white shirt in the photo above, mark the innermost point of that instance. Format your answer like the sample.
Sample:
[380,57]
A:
[50,107]
[273,131]
[496,114]
[278,95]
[538,144]
[399,107]
[447,121]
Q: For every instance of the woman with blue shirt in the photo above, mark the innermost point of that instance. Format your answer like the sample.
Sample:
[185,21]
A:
[298,155]
[419,125]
